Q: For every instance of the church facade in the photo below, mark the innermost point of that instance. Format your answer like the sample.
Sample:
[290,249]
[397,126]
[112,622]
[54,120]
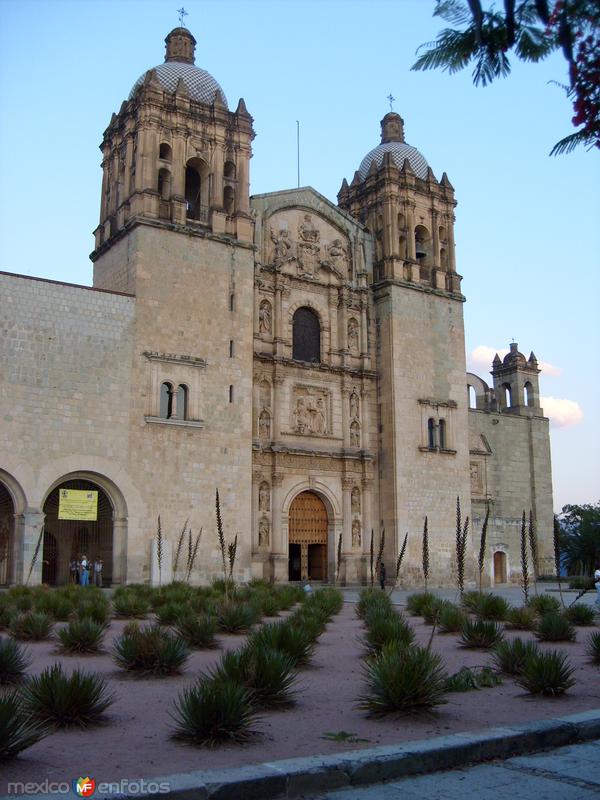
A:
[305,359]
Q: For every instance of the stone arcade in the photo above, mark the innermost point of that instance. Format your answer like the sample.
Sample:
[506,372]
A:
[306,359]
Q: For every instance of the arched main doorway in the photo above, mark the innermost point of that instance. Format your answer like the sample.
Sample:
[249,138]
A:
[69,539]
[308,525]
[499,567]
[7,527]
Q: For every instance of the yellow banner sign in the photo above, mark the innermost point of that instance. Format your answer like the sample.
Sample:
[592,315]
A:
[78,504]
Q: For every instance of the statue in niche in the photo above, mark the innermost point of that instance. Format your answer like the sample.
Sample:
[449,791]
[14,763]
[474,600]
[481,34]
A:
[355,500]
[354,407]
[355,434]
[264,424]
[263,532]
[301,417]
[264,497]
[356,533]
[353,334]
[307,230]
[320,418]
[283,245]
[264,317]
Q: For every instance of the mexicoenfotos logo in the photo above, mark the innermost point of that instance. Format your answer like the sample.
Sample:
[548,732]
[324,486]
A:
[84,787]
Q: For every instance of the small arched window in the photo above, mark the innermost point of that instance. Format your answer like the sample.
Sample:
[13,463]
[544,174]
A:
[182,401]
[166,400]
[164,152]
[431,433]
[442,434]
[306,336]
[229,170]
[193,188]
[507,395]
[528,394]
[422,245]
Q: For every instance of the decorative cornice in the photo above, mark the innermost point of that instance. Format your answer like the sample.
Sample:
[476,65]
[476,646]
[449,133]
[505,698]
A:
[173,358]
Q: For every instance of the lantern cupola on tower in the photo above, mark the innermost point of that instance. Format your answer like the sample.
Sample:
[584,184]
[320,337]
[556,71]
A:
[175,154]
[410,213]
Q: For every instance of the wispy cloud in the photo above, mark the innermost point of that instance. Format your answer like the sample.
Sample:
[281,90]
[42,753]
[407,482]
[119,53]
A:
[482,356]
[562,413]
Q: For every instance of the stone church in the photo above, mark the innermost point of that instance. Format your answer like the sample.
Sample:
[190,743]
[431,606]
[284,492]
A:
[305,359]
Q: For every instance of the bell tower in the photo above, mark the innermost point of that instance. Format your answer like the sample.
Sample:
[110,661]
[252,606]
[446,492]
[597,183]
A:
[417,300]
[175,156]
[516,383]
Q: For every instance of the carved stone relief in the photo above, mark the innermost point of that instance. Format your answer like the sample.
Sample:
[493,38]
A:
[264,497]
[265,394]
[265,317]
[310,411]
[355,434]
[283,246]
[354,406]
[476,478]
[355,500]
[356,538]
[263,532]
[311,250]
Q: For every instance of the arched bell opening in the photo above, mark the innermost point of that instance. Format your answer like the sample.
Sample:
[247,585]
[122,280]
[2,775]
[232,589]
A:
[7,533]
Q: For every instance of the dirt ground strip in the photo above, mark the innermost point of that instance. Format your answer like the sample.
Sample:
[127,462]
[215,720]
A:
[134,742]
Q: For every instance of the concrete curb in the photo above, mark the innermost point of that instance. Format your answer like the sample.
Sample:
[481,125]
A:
[297,777]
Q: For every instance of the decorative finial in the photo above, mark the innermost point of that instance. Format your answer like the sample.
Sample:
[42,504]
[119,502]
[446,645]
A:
[391,98]
[182,13]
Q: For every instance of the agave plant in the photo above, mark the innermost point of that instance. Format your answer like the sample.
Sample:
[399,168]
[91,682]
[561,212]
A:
[546,673]
[581,615]
[369,598]
[150,651]
[480,633]
[467,679]
[130,604]
[295,641]
[13,661]
[18,729]
[403,679]
[63,700]
[31,626]
[491,606]
[237,617]
[521,619]
[593,647]
[544,604]
[213,711]
[267,673]
[451,619]
[387,628]
[171,612]
[510,656]
[197,631]
[81,636]
[555,627]
[416,602]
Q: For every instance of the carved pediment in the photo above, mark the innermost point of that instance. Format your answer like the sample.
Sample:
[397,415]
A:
[305,245]
[478,444]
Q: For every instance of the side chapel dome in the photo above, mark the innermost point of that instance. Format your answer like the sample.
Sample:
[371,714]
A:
[179,65]
[392,141]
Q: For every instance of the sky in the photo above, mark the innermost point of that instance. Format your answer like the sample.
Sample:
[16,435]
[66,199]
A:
[527,225]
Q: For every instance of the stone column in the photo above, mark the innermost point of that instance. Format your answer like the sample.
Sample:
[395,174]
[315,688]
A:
[364,417]
[276,410]
[33,523]
[243,199]
[364,330]
[334,343]
[279,556]
[345,393]
[410,235]
[119,550]
[347,484]
[367,521]
[435,238]
[451,253]
[216,189]
[256,481]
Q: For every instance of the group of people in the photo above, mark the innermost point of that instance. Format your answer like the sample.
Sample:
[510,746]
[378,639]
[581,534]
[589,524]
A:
[86,572]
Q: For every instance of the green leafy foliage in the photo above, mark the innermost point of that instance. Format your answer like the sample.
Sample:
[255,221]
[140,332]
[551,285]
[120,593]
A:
[593,647]
[416,602]
[235,617]
[213,711]
[370,598]
[581,615]
[385,628]
[403,679]
[295,640]
[580,533]
[553,627]
[268,674]
[171,612]
[13,661]
[480,633]
[491,606]
[18,730]
[130,604]
[31,626]
[54,697]
[197,631]
[523,618]
[81,636]
[510,656]
[451,619]
[547,673]
[150,651]
[96,609]
[544,604]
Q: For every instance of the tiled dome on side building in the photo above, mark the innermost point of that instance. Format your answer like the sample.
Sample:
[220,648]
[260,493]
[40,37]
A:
[392,141]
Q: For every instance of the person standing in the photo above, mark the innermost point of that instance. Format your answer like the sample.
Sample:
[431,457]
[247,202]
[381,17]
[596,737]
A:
[84,571]
[73,570]
[597,583]
[382,575]
[98,564]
